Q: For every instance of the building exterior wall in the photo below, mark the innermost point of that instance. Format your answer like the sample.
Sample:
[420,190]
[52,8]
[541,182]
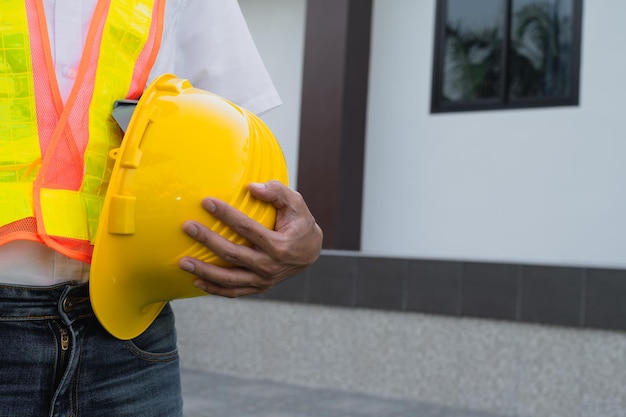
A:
[500,191]
[536,185]
[278,30]
[533,185]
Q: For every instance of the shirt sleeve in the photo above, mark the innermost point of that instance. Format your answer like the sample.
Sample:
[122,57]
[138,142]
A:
[216,52]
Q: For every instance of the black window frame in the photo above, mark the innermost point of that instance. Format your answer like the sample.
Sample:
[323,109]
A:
[438,105]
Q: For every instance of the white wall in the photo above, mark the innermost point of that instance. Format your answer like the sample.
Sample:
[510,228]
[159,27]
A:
[538,186]
[278,30]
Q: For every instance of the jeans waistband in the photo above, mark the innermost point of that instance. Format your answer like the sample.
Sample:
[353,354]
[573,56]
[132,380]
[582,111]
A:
[42,303]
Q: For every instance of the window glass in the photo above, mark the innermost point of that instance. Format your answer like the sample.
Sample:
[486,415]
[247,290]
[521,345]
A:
[473,50]
[492,54]
[541,45]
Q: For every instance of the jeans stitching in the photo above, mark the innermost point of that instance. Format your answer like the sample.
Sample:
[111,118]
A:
[74,402]
[35,288]
[52,374]
[29,318]
[150,356]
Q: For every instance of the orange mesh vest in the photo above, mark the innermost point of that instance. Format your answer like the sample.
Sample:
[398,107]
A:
[54,164]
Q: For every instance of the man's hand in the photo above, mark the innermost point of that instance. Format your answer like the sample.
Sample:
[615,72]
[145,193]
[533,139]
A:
[275,255]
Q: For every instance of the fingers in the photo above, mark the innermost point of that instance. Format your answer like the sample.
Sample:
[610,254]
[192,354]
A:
[273,192]
[244,226]
[213,289]
[232,253]
[225,282]
[289,203]
[253,258]
[274,255]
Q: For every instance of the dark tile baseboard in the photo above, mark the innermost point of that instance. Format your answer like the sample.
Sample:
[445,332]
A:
[557,295]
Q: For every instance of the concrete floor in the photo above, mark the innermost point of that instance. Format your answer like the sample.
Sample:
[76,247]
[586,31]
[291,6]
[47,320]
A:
[214,395]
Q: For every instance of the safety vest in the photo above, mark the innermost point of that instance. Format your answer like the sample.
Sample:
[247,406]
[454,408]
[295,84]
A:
[54,158]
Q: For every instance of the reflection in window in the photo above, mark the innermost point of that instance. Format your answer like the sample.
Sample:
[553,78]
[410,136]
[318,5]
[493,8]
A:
[506,53]
[541,43]
[473,50]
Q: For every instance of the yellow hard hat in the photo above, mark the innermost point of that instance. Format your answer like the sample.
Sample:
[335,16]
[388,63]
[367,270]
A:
[182,144]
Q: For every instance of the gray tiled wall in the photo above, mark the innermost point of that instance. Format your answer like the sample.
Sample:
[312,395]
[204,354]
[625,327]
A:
[566,296]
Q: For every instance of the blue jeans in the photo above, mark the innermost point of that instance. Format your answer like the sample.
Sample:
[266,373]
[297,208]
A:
[57,360]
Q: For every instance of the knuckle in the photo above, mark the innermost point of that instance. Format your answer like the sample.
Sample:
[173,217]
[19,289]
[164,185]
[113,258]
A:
[233,283]
[282,252]
[202,236]
[244,227]
[231,255]
[298,195]
[262,284]
[299,200]
[271,270]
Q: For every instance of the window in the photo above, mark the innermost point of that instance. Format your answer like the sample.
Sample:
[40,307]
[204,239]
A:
[500,54]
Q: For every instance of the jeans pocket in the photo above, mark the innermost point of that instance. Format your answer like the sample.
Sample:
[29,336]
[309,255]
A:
[158,342]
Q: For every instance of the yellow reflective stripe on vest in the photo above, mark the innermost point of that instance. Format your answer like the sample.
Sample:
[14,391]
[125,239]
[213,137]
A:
[16,200]
[19,144]
[125,33]
[65,207]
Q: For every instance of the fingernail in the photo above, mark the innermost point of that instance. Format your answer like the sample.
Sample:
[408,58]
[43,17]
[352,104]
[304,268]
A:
[191,230]
[209,205]
[187,266]
[258,185]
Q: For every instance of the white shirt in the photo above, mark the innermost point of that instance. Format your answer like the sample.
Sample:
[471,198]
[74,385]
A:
[204,41]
